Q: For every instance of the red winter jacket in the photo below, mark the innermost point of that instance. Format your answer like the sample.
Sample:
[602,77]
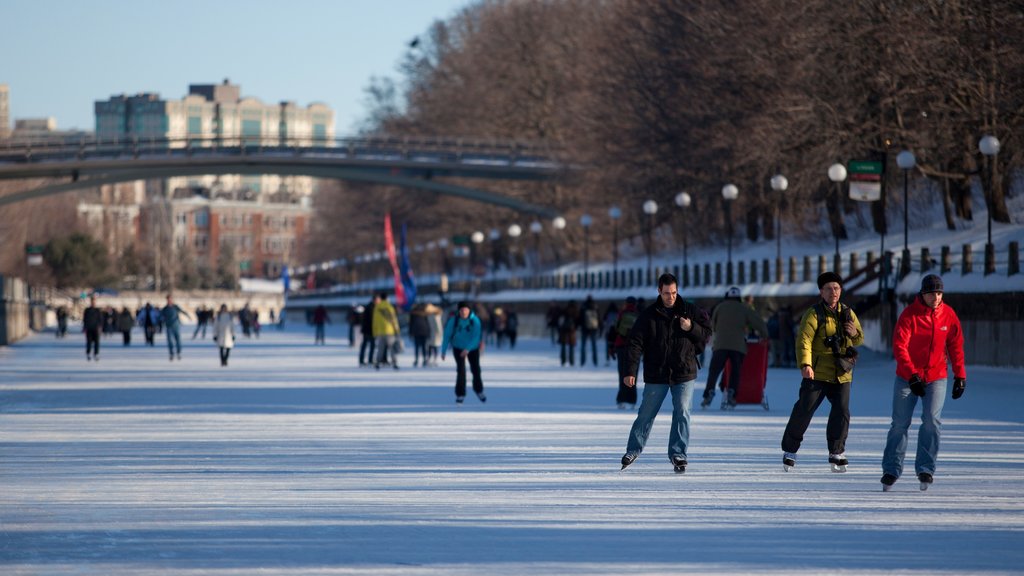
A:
[925,338]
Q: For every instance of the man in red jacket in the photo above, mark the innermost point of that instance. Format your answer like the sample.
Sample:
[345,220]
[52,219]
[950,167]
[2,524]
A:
[927,334]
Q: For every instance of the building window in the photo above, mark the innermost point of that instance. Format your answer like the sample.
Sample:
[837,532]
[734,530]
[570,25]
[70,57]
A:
[202,219]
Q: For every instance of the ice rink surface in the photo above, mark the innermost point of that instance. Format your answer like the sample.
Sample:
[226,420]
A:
[294,460]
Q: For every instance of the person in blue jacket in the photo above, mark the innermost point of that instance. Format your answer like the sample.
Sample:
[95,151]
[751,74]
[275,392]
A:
[463,332]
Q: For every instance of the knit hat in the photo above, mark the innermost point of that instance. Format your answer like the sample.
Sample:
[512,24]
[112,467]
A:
[827,277]
[732,292]
[463,304]
[631,300]
[931,283]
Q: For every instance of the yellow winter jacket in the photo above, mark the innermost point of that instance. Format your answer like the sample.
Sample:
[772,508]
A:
[385,321]
[810,343]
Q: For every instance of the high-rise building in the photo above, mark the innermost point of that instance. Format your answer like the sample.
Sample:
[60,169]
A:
[5,111]
[261,217]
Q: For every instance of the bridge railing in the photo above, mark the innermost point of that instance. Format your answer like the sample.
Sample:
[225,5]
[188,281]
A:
[430,148]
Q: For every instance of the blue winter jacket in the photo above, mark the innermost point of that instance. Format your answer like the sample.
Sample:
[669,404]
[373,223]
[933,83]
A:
[463,334]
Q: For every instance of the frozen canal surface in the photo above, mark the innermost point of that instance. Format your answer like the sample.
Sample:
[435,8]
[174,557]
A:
[294,460]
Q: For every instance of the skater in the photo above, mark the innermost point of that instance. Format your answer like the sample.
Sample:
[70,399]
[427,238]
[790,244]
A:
[148,319]
[386,331]
[567,323]
[419,329]
[125,322]
[92,323]
[320,318]
[464,333]
[62,322]
[731,320]
[590,327]
[927,334]
[224,333]
[203,315]
[369,345]
[828,332]
[668,336]
[436,338]
[626,398]
[171,315]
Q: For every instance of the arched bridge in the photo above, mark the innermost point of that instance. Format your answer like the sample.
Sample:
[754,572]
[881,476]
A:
[405,162]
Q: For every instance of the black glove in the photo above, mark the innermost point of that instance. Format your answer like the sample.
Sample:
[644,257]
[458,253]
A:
[958,387]
[917,385]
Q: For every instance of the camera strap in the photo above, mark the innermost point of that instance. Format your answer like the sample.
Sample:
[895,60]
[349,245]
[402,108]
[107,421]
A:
[819,308]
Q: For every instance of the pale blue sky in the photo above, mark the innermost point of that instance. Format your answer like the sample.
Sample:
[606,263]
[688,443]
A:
[59,56]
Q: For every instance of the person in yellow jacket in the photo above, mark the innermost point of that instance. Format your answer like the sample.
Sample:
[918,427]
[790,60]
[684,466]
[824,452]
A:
[828,332]
[385,331]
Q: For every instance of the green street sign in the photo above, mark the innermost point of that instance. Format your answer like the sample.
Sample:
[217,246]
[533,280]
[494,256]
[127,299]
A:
[865,167]
[244,265]
[461,240]
[34,248]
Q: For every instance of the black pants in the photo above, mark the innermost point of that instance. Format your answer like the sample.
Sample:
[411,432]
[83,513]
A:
[150,331]
[590,335]
[570,355]
[718,360]
[224,353]
[812,392]
[626,394]
[460,371]
[127,337]
[369,345]
[92,341]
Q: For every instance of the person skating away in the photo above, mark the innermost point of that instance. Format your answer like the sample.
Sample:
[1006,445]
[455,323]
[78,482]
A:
[464,334]
[148,320]
[224,333]
[668,335]
[368,348]
[927,334]
[731,321]
[320,318]
[589,323]
[386,331]
[171,316]
[92,323]
[828,331]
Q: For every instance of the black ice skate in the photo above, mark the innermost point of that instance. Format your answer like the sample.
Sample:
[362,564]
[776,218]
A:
[838,462]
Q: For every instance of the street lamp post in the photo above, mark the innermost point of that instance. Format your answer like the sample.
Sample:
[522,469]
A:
[906,161]
[514,231]
[683,200]
[615,213]
[989,146]
[586,221]
[729,193]
[837,174]
[494,235]
[558,223]
[535,229]
[650,208]
[779,184]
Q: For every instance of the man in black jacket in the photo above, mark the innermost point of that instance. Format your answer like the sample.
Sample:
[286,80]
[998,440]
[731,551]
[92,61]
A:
[668,335]
[92,321]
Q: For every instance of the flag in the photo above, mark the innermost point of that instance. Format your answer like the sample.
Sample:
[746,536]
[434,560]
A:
[389,245]
[408,280]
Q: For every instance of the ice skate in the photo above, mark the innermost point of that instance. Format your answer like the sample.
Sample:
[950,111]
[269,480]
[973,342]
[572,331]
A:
[838,462]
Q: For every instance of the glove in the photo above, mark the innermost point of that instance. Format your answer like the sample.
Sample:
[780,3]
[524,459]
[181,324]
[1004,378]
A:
[917,385]
[958,387]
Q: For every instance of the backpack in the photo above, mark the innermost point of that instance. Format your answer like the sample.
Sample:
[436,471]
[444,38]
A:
[625,323]
[590,319]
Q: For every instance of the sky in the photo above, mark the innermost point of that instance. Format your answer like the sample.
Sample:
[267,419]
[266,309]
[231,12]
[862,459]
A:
[60,56]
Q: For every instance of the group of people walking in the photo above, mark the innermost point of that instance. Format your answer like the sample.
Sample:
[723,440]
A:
[669,336]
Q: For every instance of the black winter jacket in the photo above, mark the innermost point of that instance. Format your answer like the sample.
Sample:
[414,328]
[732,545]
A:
[669,353]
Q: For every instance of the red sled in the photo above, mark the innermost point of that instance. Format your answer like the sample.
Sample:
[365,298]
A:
[753,375]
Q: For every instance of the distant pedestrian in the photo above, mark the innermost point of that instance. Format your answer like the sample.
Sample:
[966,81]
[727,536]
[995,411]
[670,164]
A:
[611,315]
[590,326]
[148,320]
[627,396]
[224,333]
[928,335]
[386,330]
[465,335]
[62,322]
[567,324]
[512,326]
[419,331]
[125,322]
[171,315]
[369,345]
[436,338]
[92,323]
[320,318]
[667,337]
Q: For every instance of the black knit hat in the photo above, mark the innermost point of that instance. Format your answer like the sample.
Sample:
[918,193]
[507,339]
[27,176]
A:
[463,304]
[827,277]
[931,283]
